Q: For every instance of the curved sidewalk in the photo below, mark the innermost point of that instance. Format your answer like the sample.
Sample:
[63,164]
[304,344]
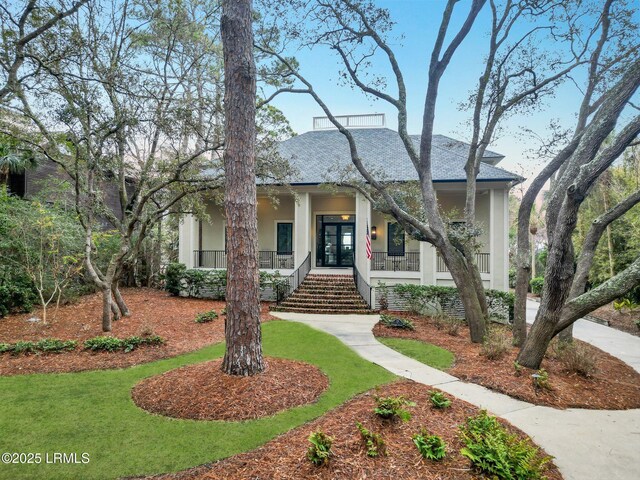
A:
[586,444]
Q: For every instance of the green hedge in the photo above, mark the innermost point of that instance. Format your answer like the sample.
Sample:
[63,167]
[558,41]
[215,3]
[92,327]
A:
[212,283]
[423,299]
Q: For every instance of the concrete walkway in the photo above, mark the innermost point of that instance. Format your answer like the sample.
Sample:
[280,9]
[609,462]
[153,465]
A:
[586,444]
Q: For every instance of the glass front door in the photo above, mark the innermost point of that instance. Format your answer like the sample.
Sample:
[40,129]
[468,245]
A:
[338,244]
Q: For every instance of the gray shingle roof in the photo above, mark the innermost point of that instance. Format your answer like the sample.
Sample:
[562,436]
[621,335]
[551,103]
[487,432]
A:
[316,153]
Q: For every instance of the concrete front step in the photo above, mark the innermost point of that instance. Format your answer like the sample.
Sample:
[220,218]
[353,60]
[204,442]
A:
[321,301]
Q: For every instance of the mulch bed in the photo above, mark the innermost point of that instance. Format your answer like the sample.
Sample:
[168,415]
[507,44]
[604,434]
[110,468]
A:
[614,386]
[285,457]
[625,321]
[202,391]
[152,312]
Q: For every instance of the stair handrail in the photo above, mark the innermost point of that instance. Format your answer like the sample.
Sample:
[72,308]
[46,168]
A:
[364,289]
[294,280]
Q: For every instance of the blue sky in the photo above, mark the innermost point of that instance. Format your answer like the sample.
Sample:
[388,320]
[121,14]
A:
[418,21]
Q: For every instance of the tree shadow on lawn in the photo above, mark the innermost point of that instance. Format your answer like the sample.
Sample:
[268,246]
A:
[93,412]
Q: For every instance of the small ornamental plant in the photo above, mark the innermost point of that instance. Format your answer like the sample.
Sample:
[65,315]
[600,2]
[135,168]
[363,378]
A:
[439,400]
[541,380]
[393,407]
[431,447]
[493,450]
[396,322]
[206,317]
[373,442]
[319,451]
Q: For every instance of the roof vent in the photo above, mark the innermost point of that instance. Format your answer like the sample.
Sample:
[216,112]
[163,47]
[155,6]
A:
[370,120]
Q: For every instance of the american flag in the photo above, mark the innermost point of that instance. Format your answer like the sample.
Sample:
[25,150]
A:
[367,241]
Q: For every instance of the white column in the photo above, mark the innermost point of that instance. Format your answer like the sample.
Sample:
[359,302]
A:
[363,217]
[187,240]
[427,264]
[302,227]
[499,239]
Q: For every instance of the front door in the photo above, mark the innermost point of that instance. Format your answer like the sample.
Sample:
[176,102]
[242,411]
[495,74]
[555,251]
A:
[338,244]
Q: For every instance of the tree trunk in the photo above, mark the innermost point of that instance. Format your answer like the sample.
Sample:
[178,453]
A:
[243,355]
[119,301]
[475,309]
[115,310]
[106,309]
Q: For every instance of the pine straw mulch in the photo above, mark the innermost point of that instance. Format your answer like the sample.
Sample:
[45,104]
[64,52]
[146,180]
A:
[614,385]
[625,321]
[284,458]
[202,391]
[152,312]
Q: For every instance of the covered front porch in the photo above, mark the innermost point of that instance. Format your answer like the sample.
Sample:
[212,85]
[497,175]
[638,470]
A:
[331,226]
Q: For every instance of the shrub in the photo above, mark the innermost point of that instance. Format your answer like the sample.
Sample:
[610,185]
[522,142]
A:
[536,285]
[392,407]
[113,344]
[541,380]
[23,347]
[206,317]
[396,322]
[439,399]
[53,345]
[373,442]
[496,344]
[320,449]
[637,322]
[48,345]
[17,293]
[173,277]
[433,300]
[625,303]
[223,311]
[453,326]
[575,358]
[431,447]
[493,450]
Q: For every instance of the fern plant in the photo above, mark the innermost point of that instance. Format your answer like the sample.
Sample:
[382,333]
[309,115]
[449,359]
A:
[392,407]
[374,442]
[431,447]
[319,451]
[439,400]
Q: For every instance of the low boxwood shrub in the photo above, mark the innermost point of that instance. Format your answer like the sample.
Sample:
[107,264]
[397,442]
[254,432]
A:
[373,442]
[396,322]
[319,451]
[495,451]
[206,317]
[536,285]
[431,447]
[393,407]
[212,283]
[438,300]
[113,344]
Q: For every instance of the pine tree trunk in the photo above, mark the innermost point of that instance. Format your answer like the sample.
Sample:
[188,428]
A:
[243,355]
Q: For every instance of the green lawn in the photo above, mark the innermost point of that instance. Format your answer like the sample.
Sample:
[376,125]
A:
[93,412]
[426,353]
